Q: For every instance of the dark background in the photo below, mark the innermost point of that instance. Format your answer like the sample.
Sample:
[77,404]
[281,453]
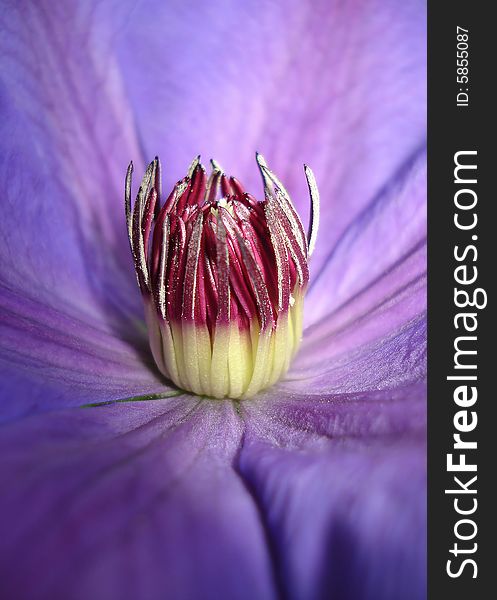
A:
[451,128]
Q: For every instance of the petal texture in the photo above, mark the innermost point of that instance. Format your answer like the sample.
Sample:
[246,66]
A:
[303,492]
[337,85]
[68,253]
[186,498]
[140,502]
[70,313]
[343,522]
[385,243]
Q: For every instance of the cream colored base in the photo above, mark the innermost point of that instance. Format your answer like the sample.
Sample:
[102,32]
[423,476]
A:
[234,364]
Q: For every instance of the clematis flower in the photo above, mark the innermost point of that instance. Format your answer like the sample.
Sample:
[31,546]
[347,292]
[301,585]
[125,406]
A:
[223,278]
[117,484]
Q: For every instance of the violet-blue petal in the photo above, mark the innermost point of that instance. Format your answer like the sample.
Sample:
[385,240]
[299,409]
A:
[337,85]
[136,503]
[344,523]
[371,295]
[306,487]
[381,244]
[396,360]
[71,319]
[51,358]
[52,90]
[367,306]
[341,485]
[67,115]
[66,135]
[187,497]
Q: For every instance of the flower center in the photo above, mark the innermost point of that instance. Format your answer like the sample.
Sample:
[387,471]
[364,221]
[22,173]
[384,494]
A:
[222,275]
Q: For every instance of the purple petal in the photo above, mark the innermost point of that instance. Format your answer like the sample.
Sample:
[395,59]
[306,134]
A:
[387,239]
[351,418]
[129,502]
[50,358]
[174,497]
[368,328]
[70,325]
[375,340]
[70,171]
[66,136]
[342,518]
[395,361]
[344,524]
[62,92]
[340,86]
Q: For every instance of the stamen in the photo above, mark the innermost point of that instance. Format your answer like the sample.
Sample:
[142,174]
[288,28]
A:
[223,279]
[314,220]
